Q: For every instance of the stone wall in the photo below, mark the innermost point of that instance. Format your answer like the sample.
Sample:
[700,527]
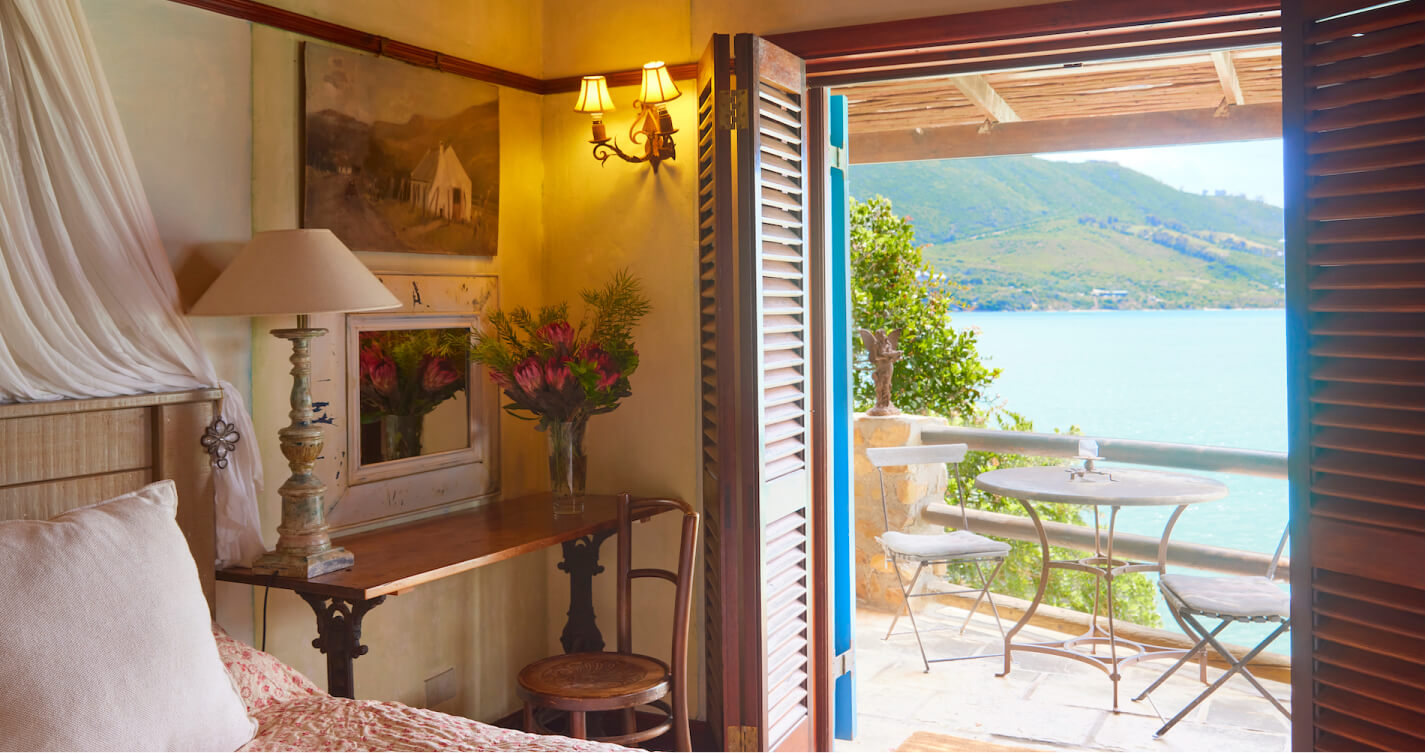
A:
[908,490]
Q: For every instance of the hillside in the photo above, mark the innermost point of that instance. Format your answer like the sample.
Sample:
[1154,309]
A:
[1023,233]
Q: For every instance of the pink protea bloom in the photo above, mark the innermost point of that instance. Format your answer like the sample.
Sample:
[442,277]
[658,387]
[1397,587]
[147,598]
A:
[557,374]
[383,377]
[501,379]
[603,364]
[371,356]
[530,375]
[438,374]
[559,334]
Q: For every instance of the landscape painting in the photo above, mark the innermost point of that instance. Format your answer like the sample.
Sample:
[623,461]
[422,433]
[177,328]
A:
[400,158]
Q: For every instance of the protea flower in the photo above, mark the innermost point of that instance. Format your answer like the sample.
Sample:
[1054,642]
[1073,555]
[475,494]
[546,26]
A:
[383,377]
[530,375]
[603,363]
[557,374]
[501,379]
[438,374]
[559,334]
[371,356]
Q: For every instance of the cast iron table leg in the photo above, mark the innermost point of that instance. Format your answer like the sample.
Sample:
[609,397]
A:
[581,561]
[339,637]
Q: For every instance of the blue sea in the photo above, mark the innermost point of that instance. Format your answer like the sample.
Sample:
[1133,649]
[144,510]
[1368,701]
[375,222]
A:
[1195,377]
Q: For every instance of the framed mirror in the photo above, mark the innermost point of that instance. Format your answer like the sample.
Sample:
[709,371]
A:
[414,395]
[422,423]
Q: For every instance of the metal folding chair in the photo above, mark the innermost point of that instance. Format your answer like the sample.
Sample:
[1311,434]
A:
[932,549]
[1233,598]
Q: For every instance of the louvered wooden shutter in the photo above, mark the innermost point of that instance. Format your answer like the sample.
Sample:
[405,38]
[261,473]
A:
[1354,104]
[719,344]
[756,381]
[773,238]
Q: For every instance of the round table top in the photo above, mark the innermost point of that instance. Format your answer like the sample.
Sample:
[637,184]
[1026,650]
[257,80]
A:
[1110,486]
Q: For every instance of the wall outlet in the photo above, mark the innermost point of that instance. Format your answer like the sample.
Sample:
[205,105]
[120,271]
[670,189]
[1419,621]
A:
[441,688]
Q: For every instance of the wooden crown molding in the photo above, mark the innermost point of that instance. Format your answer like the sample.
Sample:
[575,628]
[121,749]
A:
[938,45]
[326,31]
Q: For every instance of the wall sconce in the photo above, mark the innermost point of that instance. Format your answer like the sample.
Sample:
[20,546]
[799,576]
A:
[652,126]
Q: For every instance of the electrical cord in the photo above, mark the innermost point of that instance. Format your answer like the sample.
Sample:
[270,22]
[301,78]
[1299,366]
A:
[265,591]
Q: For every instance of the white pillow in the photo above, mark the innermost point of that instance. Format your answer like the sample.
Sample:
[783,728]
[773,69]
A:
[105,641]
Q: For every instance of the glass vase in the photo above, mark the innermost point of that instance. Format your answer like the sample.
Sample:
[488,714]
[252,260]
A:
[567,465]
[401,436]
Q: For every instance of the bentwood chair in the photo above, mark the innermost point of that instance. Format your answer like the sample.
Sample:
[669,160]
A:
[932,549]
[622,680]
[1230,599]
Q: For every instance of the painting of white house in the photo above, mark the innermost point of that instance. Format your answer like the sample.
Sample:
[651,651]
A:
[398,157]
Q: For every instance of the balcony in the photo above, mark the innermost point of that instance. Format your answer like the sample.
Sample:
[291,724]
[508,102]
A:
[1046,702]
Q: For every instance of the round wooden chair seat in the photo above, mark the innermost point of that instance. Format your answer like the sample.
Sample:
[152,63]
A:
[594,681]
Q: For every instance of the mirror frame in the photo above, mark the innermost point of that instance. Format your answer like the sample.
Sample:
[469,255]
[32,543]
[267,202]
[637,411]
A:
[476,393]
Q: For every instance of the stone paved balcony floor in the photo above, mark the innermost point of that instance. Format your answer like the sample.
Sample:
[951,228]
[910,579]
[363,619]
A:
[1047,702]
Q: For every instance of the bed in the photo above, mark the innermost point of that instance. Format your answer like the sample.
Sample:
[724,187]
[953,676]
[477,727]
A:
[62,457]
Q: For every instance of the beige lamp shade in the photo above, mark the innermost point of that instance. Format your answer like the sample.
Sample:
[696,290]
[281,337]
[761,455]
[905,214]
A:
[594,95]
[657,84]
[294,272]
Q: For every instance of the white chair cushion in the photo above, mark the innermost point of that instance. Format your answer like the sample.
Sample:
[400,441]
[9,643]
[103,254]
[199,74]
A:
[927,546]
[1229,596]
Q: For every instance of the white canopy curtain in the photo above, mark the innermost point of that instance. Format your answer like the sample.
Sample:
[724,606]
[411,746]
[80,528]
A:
[88,303]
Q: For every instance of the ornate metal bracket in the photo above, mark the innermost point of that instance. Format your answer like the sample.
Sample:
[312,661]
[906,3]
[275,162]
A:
[339,638]
[581,561]
[219,440]
[656,130]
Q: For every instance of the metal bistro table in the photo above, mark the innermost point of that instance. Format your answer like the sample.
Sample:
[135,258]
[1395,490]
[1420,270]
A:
[1115,488]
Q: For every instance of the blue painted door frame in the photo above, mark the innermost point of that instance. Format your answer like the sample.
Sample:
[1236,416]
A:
[843,576]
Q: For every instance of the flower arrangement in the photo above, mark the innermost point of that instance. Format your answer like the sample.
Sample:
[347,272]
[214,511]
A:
[409,372]
[555,372]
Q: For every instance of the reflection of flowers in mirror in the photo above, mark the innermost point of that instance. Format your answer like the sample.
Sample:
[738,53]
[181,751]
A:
[410,372]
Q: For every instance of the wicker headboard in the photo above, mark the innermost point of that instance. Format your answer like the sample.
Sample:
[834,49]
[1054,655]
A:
[59,455]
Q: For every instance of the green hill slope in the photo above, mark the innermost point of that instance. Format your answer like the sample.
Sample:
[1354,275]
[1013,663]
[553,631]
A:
[1024,232]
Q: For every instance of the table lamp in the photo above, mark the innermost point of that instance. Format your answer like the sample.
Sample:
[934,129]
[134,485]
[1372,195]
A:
[302,272]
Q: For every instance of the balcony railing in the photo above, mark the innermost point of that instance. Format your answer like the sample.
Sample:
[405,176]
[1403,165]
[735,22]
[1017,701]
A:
[1132,546]
[1132,451]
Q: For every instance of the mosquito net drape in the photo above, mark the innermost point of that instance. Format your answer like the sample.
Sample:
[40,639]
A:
[88,303]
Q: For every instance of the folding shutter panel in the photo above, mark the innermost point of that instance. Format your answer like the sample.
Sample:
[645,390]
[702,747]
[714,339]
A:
[772,237]
[719,343]
[1354,102]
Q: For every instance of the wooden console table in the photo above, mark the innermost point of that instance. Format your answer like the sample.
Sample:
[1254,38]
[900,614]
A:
[391,561]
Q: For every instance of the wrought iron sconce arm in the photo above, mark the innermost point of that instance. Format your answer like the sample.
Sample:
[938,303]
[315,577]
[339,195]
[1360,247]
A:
[652,128]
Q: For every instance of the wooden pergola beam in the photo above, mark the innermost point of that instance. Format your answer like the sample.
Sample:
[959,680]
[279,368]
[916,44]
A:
[1198,126]
[1227,75]
[983,96]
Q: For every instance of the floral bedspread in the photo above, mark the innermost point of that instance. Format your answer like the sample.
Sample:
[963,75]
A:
[294,714]
[327,723]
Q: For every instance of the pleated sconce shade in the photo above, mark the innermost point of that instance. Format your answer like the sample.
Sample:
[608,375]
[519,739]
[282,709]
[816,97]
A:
[594,95]
[282,272]
[657,85]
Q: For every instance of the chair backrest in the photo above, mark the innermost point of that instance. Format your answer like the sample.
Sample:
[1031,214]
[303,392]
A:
[630,510]
[1173,521]
[925,454]
[1277,555]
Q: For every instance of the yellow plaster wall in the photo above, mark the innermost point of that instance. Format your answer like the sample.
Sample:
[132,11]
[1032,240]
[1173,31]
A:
[212,109]
[182,78]
[483,624]
[602,218]
[582,38]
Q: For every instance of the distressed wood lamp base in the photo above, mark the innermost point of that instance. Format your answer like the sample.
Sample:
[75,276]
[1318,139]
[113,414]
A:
[304,548]
[295,565]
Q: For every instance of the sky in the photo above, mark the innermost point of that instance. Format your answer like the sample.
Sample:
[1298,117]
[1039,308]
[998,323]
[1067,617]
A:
[1250,168]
